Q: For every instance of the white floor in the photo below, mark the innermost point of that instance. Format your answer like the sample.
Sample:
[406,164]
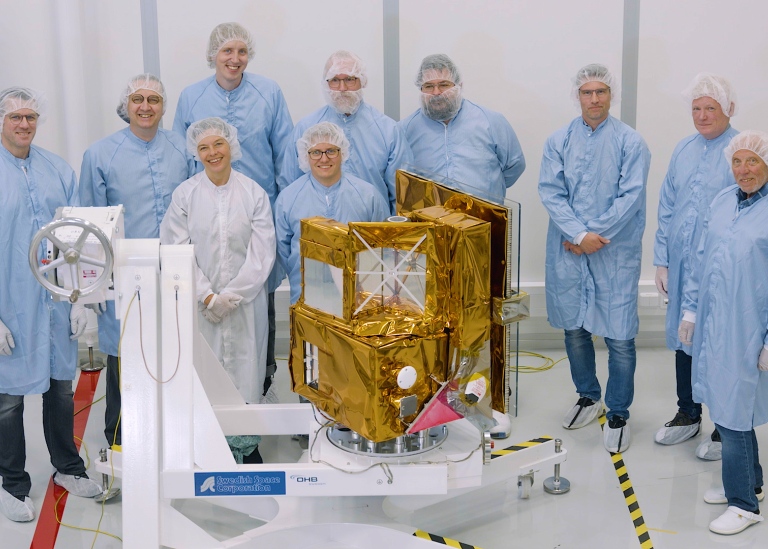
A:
[669,481]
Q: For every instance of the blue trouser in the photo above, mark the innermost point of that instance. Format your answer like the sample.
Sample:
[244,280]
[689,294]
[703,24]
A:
[621,370]
[742,473]
[685,401]
[58,428]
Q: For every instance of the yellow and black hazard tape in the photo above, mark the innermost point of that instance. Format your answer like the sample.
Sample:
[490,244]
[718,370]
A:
[520,446]
[444,541]
[629,496]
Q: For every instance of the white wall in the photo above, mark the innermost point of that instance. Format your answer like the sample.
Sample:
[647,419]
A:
[516,56]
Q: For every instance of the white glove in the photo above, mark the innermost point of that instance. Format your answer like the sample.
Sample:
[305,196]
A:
[6,340]
[91,335]
[98,308]
[209,317]
[662,275]
[78,320]
[685,332]
[762,362]
[221,305]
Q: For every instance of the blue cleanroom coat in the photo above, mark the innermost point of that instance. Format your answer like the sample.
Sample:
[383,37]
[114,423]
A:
[594,181]
[697,171]
[728,291]
[140,175]
[478,147]
[32,189]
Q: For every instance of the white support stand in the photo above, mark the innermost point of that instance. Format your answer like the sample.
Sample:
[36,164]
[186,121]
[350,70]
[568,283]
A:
[178,404]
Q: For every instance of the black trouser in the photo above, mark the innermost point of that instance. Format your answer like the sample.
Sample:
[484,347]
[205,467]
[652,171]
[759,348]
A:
[58,425]
[685,403]
[114,402]
[271,362]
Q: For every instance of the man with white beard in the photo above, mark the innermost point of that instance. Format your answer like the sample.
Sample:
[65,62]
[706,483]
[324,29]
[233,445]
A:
[458,139]
[377,146]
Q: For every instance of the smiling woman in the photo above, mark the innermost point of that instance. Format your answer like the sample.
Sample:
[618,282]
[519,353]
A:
[227,217]
[214,153]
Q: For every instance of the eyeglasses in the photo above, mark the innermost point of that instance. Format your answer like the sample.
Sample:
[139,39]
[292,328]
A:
[334,83]
[138,99]
[330,153]
[602,92]
[441,86]
[16,118]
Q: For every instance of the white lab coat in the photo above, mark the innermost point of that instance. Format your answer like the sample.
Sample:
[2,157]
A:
[234,237]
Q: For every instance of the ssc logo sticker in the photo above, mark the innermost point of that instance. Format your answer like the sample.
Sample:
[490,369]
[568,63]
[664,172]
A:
[240,484]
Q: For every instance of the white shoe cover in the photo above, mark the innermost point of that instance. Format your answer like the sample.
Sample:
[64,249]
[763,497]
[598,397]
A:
[504,426]
[15,510]
[733,521]
[716,496]
[616,440]
[77,485]
[675,434]
[271,396]
[710,450]
[580,416]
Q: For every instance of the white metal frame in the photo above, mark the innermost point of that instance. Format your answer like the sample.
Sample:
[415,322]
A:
[174,419]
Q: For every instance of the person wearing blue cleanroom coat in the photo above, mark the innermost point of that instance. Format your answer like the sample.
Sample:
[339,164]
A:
[377,146]
[37,353]
[697,172]
[592,183]
[138,167]
[325,190]
[256,107]
[458,139]
[725,318]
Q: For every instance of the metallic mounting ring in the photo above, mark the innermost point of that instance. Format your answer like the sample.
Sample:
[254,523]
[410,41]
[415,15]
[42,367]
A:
[72,256]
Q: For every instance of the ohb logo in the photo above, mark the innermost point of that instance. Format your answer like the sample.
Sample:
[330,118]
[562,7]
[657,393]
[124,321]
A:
[298,478]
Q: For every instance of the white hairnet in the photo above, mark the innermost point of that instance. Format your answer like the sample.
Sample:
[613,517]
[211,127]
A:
[751,140]
[345,62]
[213,126]
[144,81]
[594,72]
[17,98]
[324,132]
[710,85]
[434,67]
[227,32]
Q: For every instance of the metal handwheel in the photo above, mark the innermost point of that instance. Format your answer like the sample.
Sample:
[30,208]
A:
[71,255]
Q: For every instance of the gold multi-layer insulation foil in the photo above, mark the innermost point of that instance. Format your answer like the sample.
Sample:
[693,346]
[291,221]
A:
[356,377]
[417,193]
[393,254]
[361,344]
[467,240]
